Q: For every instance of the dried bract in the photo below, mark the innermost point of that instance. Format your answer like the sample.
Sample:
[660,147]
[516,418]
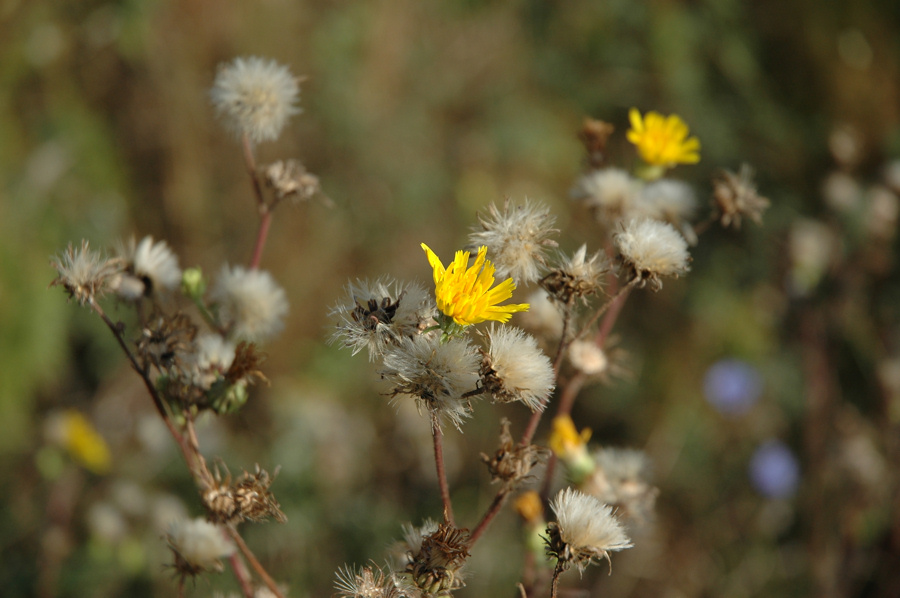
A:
[512,463]
[735,197]
[290,179]
[248,498]
[435,568]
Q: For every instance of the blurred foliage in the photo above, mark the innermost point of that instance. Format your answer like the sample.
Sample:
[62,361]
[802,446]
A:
[416,115]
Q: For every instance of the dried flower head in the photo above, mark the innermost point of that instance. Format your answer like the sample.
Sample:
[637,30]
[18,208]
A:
[255,97]
[609,193]
[594,135]
[512,463]
[250,303]
[622,479]
[735,197]
[290,179]
[198,546]
[662,140]
[435,569]
[585,532]
[441,376]
[516,237]
[376,315]
[465,294]
[247,498]
[515,369]
[372,582]
[85,274]
[577,277]
[209,359]
[651,249]
[148,268]
[167,342]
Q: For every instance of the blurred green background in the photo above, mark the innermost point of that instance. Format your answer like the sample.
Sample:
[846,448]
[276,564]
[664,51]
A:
[416,115]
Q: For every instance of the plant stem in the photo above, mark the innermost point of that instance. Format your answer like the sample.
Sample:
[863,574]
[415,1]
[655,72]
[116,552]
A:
[245,550]
[492,511]
[265,210]
[554,585]
[438,436]
[242,575]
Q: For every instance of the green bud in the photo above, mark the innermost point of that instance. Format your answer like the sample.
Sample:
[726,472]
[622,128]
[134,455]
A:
[192,283]
[227,398]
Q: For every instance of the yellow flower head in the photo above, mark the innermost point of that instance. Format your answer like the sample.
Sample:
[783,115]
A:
[529,506]
[565,440]
[84,443]
[465,294]
[662,140]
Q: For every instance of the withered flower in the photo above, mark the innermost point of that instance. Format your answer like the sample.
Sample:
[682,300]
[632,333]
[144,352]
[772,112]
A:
[594,135]
[577,277]
[435,568]
[246,499]
[290,179]
[735,196]
[512,463]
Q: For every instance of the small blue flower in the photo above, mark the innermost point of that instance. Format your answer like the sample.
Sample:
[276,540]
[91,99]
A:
[732,386]
[774,470]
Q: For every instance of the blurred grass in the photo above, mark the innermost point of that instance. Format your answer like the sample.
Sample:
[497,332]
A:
[415,116]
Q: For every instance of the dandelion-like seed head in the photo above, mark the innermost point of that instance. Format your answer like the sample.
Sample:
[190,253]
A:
[255,97]
[609,193]
[585,532]
[651,249]
[662,140]
[251,304]
[84,273]
[376,315]
[735,197]
[587,357]
[577,277]
[209,359]
[622,479]
[669,200]
[515,368]
[370,582]
[440,375]
[149,268]
[543,317]
[465,294]
[198,546]
[516,237]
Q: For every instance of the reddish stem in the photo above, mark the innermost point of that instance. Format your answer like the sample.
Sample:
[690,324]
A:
[265,210]
[438,436]
[265,221]
[492,511]
[242,575]
[257,566]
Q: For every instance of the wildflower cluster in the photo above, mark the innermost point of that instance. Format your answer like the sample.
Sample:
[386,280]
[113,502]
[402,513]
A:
[194,341]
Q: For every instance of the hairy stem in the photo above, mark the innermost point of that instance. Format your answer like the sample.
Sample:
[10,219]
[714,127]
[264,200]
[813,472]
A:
[438,436]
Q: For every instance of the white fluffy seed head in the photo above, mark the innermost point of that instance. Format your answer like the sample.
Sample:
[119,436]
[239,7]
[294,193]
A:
[437,374]
[609,192]
[587,527]
[375,315]
[200,543]
[516,238]
[543,318]
[652,249]
[84,273]
[210,358]
[587,357]
[251,304]
[517,369]
[149,268]
[255,97]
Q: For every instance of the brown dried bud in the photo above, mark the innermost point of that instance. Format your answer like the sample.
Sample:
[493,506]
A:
[594,135]
[289,178]
[247,499]
[512,463]
[435,569]
[734,196]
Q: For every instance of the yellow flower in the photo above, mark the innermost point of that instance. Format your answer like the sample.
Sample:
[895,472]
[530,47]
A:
[565,440]
[662,140]
[84,443]
[465,294]
[529,506]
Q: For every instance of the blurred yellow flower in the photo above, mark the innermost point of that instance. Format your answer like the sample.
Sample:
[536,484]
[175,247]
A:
[465,294]
[662,140]
[529,506]
[565,440]
[84,443]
